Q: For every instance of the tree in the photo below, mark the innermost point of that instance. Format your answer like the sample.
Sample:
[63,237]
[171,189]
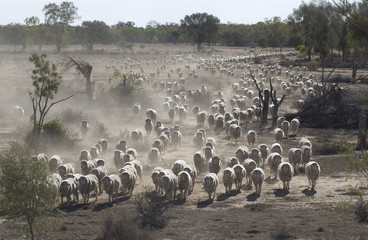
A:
[200,27]
[46,82]
[26,194]
[275,30]
[33,24]
[85,69]
[59,17]
[95,32]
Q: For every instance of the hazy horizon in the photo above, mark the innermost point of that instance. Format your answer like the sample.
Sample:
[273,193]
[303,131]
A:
[161,11]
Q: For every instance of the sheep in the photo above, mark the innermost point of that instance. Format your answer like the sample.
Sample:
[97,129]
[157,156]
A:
[128,180]
[178,166]
[151,114]
[199,162]
[208,152]
[138,167]
[176,137]
[235,133]
[279,120]
[274,160]
[195,110]
[105,145]
[162,173]
[255,154]
[132,152]
[285,126]
[257,177]
[148,126]
[232,162]
[199,140]
[211,121]
[111,185]
[241,154]
[306,154]
[201,117]
[100,162]
[159,145]
[94,152]
[219,123]
[84,128]
[214,164]
[118,159]
[294,126]
[276,147]
[295,156]
[193,174]
[184,184]
[278,133]
[54,162]
[210,183]
[264,152]
[137,137]
[249,165]
[304,141]
[154,176]
[88,184]
[228,178]
[312,172]
[169,184]
[239,175]
[251,137]
[171,113]
[210,141]
[164,136]
[67,188]
[99,172]
[285,172]
[87,166]
[154,156]
[122,145]
[136,108]
[65,169]
[85,155]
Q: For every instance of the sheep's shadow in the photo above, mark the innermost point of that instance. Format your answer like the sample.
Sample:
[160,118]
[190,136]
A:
[205,203]
[281,192]
[270,180]
[309,192]
[246,187]
[179,201]
[252,197]
[225,196]
[71,208]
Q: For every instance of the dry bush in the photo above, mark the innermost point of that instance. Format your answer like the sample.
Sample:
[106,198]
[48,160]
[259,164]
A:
[100,131]
[150,208]
[282,233]
[361,209]
[72,116]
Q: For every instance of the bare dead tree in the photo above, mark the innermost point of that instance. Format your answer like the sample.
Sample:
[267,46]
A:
[276,104]
[85,69]
[264,102]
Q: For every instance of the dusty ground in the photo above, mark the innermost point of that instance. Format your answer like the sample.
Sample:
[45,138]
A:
[298,213]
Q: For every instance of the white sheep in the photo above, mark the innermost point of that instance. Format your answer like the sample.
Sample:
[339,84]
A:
[122,145]
[137,137]
[294,126]
[148,126]
[228,178]
[111,185]
[285,126]
[210,141]
[118,159]
[257,176]
[210,183]
[138,167]
[199,162]
[219,123]
[54,162]
[208,152]
[286,173]
[84,128]
[183,114]
[201,118]
[235,133]
[274,160]
[136,108]
[232,162]
[312,172]
[249,165]
[184,184]
[242,153]
[176,137]
[169,184]
[256,155]
[133,152]
[264,152]
[278,133]
[151,114]
[178,166]
[199,140]
[105,145]
[128,180]
[85,155]
[94,152]
[214,164]
[154,176]
[87,166]
[100,172]
[65,169]
[276,147]
[279,120]
[87,184]
[100,162]
[251,137]
[295,156]
[304,141]
[193,174]
[239,175]
[154,156]
[306,154]
[68,187]
[159,144]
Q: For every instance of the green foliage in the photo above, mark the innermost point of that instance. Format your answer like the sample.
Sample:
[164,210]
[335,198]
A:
[55,133]
[130,46]
[257,59]
[27,197]
[128,83]
[312,65]
[302,51]
[142,46]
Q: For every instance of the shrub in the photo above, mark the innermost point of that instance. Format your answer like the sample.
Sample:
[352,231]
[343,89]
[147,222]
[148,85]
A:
[72,116]
[361,209]
[150,208]
[312,65]
[55,132]
[257,59]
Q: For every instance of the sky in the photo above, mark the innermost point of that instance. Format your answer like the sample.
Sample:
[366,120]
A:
[162,11]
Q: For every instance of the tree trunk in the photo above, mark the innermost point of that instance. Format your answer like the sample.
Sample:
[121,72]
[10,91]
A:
[198,47]
[362,134]
[265,107]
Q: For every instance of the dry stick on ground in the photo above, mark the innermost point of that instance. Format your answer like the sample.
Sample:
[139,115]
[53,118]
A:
[86,69]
